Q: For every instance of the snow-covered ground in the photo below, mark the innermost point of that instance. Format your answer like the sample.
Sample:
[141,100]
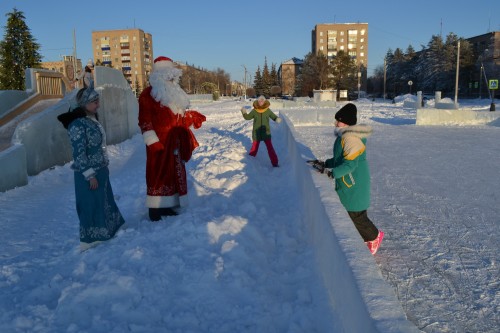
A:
[436,194]
[239,259]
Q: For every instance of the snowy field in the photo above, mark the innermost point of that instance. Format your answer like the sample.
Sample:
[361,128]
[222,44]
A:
[238,259]
[436,194]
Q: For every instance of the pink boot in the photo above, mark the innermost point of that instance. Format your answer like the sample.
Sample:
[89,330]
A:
[375,244]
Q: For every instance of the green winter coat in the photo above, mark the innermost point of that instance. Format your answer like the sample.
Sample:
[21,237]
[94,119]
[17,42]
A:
[350,167]
[261,129]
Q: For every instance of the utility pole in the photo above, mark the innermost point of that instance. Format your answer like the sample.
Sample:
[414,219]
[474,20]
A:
[456,76]
[245,82]
[385,73]
[75,62]
[481,82]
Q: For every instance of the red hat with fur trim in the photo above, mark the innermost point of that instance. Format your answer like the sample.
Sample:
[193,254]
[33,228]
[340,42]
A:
[162,61]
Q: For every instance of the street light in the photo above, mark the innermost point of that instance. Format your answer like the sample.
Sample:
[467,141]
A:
[245,82]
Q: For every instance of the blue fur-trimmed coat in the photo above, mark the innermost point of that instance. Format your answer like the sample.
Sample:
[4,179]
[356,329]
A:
[350,167]
[88,142]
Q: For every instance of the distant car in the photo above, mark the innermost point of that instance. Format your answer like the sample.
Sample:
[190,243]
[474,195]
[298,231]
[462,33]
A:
[352,95]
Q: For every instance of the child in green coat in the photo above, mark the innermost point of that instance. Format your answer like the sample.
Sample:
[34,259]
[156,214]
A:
[352,175]
[261,129]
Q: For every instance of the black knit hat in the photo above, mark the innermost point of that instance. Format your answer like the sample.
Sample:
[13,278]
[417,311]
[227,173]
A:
[347,114]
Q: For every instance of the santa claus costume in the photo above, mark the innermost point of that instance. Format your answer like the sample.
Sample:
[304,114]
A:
[165,125]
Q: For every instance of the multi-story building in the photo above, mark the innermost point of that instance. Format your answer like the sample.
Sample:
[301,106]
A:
[68,67]
[487,47]
[288,72]
[352,38]
[129,50]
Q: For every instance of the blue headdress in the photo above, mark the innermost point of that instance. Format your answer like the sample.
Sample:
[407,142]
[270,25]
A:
[89,95]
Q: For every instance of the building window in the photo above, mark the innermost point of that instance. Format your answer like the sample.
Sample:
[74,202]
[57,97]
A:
[363,32]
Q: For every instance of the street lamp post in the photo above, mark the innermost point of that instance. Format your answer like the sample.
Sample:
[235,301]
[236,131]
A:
[245,82]
[456,74]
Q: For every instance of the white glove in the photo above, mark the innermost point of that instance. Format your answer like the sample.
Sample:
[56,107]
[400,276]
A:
[278,120]
[243,110]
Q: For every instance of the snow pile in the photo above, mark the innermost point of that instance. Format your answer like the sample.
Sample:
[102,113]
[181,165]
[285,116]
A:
[404,98]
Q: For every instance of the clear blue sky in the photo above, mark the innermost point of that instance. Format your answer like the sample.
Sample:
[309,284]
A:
[228,34]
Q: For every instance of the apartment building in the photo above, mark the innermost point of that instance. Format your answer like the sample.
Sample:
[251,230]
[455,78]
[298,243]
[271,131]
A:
[129,50]
[352,38]
[288,72]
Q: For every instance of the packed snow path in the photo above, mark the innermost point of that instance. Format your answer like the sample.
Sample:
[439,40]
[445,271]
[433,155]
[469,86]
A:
[236,260]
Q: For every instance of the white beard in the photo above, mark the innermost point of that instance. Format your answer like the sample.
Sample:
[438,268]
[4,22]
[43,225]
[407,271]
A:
[166,89]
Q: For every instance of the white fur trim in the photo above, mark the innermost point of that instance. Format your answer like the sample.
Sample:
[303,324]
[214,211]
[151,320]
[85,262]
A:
[164,202]
[85,246]
[150,137]
[89,173]
[163,64]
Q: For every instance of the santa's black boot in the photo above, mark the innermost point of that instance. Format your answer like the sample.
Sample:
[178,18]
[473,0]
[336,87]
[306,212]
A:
[154,214]
[168,212]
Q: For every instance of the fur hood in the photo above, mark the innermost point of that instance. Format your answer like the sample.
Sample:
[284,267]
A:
[262,108]
[361,131]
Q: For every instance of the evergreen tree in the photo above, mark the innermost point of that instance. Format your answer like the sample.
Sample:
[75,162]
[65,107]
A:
[344,71]
[257,83]
[410,67]
[323,70]
[275,84]
[274,76]
[18,51]
[396,76]
[307,80]
[266,80]
[314,74]
[432,61]
[375,83]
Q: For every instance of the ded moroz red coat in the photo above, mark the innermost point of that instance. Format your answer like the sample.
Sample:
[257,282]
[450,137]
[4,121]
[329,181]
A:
[169,144]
